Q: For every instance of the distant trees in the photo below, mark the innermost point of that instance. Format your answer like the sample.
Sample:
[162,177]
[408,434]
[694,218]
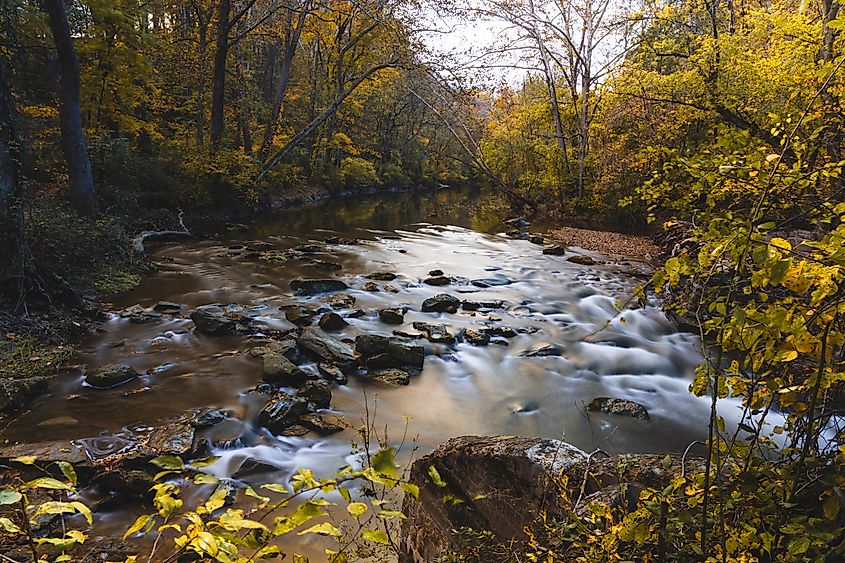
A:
[82,194]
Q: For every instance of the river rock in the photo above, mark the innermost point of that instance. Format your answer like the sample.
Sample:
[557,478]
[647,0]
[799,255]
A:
[212,320]
[282,411]
[111,376]
[325,423]
[620,407]
[503,331]
[340,301]
[382,276]
[259,246]
[437,280]
[502,483]
[316,393]
[392,315]
[279,370]
[536,238]
[390,376]
[441,303]
[383,351]
[581,259]
[332,321]
[476,337]
[332,373]
[309,248]
[543,351]
[356,314]
[371,287]
[555,250]
[315,286]
[491,282]
[435,332]
[167,307]
[326,347]
[299,315]
[208,417]
[435,273]
[285,348]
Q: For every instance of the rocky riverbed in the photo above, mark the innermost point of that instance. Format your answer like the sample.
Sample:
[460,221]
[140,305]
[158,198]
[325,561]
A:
[270,347]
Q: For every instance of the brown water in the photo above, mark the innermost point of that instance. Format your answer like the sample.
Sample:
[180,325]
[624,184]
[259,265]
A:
[463,389]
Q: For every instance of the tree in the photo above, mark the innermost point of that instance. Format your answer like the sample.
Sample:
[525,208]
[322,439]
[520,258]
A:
[82,194]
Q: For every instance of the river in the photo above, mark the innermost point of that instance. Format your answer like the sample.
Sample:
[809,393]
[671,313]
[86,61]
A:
[633,353]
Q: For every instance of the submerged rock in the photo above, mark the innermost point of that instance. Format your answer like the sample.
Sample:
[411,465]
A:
[441,303]
[581,259]
[555,250]
[437,280]
[622,407]
[325,346]
[285,348]
[111,376]
[167,307]
[315,286]
[316,393]
[279,370]
[212,320]
[392,315]
[435,332]
[382,276]
[332,321]
[325,423]
[543,351]
[340,301]
[476,337]
[282,411]
[390,376]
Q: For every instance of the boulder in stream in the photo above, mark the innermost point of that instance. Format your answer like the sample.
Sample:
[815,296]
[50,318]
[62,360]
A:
[390,376]
[212,320]
[325,423]
[299,315]
[282,411]
[622,407]
[437,280]
[581,259]
[279,370]
[382,276]
[325,346]
[555,250]
[392,315]
[316,393]
[476,337]
[435,332]
[371,287]
[111,376]
[332,321]
[340,301]
[316,286]
[543,351]
[441,303]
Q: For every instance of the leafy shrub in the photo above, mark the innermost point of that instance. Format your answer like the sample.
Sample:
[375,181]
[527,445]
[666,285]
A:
[358,173]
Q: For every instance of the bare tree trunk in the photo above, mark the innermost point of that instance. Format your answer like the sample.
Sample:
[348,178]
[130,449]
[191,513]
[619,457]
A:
[218,85]
[281,86]
[82,194]
[203,49]
[9,150]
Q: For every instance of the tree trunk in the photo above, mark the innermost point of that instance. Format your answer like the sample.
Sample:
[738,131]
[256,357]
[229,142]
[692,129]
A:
[218,86]
[203,47]
[82,194]
[9,153]
[282,80]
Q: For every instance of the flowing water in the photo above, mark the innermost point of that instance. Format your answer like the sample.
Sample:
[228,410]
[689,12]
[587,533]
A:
[632,354]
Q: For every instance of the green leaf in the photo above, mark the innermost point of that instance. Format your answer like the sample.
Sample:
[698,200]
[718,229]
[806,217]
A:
[201,463]
[216,500]
[25,459]
[233,521]
[435,476]
[324,529]
[383,461]
[268,552]
[170,462]
[389,514]
[275,487]
[205,479]
[411,489]
[48,483]
[140,524]
[377,536]
[356,509]
[55,507]
[68,471]
[10,496]
[8,526]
